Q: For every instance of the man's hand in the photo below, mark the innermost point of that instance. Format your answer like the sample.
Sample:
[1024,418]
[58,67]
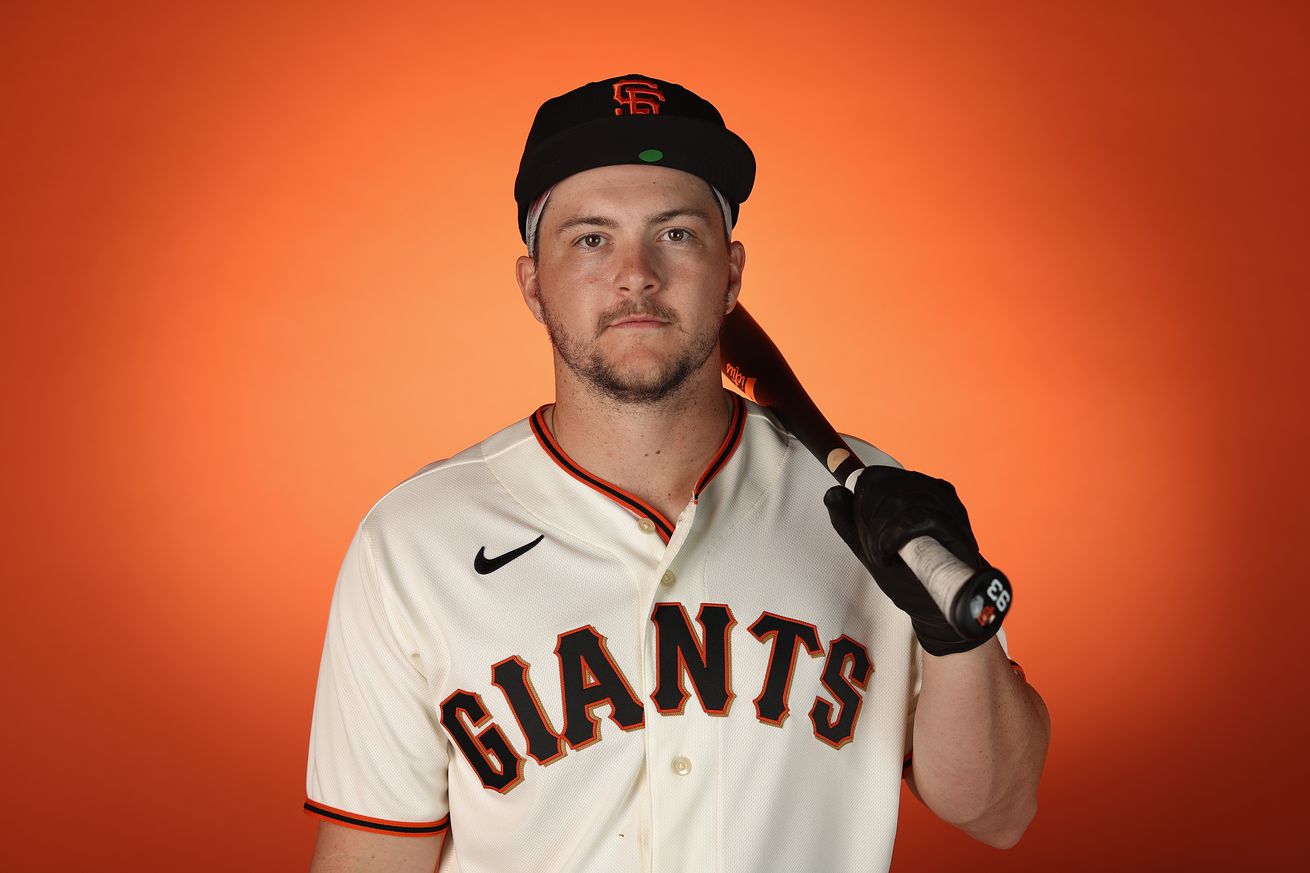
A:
[889,508]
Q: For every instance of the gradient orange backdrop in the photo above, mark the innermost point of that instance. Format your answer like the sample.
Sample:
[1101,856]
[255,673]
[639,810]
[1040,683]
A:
[259,267]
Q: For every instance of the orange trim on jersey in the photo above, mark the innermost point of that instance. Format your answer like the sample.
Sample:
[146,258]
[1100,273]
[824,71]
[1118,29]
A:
[732,439]
[631,502]
[376,825]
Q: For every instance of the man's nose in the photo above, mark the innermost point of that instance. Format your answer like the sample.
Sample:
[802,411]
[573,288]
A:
[637,268]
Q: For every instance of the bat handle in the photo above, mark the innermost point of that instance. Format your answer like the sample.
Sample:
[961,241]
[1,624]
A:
[972,600]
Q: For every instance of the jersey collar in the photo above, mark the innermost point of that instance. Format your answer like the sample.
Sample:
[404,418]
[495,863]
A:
[631,502]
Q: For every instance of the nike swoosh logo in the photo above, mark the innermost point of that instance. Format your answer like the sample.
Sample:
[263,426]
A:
[485,565]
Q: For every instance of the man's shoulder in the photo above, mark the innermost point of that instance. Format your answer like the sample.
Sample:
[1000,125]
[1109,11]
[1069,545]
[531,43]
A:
[777,455]
[770,428]
[869,453]
[503,440]
[447,485]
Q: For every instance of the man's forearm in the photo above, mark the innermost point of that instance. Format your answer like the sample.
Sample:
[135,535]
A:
[980,739]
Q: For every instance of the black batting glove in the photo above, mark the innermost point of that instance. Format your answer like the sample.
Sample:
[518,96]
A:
[889,508]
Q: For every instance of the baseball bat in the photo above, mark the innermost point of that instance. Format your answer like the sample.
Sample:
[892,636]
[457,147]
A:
[972,600]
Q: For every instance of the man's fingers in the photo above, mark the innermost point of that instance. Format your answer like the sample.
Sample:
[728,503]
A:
[841,511]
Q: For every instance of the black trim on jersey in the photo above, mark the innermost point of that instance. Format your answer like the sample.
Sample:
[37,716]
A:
[731,441]
[315,809]
[543,437]
[735,427]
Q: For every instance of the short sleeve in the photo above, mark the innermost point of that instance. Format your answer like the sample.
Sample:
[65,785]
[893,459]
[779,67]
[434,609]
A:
[377,757]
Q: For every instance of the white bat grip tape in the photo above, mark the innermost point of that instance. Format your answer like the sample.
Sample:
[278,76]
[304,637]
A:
[941,573]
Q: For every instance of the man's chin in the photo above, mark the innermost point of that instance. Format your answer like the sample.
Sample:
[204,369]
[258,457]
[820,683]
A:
[638,384]
[639,375]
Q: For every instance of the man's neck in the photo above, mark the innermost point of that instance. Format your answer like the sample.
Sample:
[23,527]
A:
[655,451]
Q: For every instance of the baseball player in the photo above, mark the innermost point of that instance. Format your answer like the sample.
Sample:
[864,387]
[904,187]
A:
[623,634]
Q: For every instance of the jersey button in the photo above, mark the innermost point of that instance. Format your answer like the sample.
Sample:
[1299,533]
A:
[668,579]
[646,525]
[681,765]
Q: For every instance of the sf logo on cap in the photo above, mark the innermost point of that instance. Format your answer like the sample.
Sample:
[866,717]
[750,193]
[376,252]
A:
[639,96]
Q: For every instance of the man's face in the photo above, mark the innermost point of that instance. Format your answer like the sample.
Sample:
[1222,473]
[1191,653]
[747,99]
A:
[633,277]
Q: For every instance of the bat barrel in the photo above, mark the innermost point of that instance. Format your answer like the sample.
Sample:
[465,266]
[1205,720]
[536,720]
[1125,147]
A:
[972,600]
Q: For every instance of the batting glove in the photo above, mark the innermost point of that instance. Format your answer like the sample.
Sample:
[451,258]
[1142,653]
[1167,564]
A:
[889,508]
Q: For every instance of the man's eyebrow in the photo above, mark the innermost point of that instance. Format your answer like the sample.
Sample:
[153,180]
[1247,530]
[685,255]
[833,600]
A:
[601,221]
[688,211]
[586,220]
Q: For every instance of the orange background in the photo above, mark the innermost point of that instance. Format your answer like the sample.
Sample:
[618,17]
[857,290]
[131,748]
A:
[258,267]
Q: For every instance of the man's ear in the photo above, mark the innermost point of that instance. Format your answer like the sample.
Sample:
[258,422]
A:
[526,271]
[736,264]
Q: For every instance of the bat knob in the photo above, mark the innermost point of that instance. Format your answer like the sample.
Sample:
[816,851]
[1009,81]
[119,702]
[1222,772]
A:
[983,601]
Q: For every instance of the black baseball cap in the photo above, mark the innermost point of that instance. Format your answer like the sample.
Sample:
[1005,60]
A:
[632,119]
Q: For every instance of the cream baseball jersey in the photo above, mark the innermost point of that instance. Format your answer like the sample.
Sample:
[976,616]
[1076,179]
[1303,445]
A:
[542,667]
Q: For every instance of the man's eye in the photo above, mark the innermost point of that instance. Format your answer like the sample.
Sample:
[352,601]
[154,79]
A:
[677,234]
[590,241]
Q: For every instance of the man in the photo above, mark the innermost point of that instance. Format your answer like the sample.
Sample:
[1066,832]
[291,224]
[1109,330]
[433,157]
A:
[622,634]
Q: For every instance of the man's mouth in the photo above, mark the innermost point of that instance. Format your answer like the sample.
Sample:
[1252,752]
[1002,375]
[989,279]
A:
[639,321]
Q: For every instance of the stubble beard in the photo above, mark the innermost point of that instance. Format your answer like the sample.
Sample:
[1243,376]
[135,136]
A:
[590,365]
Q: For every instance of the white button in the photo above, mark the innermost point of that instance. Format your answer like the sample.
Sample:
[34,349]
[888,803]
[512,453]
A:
[681,765]
[646,525]
[668,578]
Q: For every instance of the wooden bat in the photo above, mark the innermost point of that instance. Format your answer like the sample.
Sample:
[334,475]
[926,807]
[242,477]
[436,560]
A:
[972,600]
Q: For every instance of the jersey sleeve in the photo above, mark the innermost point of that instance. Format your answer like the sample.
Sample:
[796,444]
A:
[377,757]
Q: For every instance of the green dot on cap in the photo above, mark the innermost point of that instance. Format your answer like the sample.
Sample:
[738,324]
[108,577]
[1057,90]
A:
[650,156]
